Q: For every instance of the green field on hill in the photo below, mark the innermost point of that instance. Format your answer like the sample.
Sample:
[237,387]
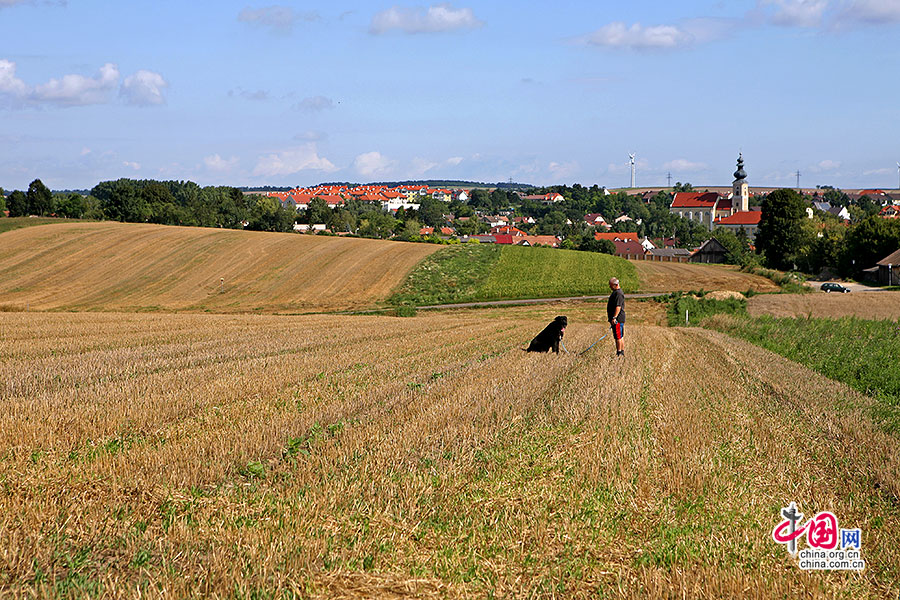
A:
[473,272]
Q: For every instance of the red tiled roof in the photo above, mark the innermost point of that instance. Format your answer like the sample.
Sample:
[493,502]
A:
[695,199]
[749,217]
[503,239]
[616,237]
[628,247]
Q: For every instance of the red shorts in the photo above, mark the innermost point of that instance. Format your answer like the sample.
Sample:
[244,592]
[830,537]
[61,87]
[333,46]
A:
[618,330]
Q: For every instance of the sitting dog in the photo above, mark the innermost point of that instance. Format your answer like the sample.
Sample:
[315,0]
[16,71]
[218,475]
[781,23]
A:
[550,337]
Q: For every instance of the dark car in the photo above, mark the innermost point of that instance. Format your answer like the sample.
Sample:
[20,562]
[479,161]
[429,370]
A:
[830,286]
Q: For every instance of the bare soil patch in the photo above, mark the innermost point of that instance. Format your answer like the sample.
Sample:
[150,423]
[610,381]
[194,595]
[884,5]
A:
[674,277]
[865,305]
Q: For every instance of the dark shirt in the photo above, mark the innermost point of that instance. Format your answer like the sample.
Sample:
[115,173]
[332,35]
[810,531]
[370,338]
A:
[617,298]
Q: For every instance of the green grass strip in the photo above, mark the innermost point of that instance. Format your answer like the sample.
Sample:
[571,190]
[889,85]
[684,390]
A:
[861,353]
[480,272]
[524,272]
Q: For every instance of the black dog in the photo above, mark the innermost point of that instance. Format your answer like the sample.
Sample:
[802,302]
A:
[550,337]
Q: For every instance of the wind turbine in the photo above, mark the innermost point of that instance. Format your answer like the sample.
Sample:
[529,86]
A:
[631,156]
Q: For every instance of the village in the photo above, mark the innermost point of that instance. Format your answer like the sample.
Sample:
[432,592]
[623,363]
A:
[736,210]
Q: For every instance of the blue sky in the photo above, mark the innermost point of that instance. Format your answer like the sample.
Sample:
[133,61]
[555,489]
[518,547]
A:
[296,93]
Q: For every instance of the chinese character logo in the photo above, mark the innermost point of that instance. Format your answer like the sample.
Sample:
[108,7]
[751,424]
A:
[830,548]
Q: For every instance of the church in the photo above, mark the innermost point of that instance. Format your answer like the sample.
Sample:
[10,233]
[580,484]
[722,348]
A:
[712,209]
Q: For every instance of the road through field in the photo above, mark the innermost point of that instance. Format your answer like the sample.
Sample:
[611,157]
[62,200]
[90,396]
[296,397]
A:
[363,456]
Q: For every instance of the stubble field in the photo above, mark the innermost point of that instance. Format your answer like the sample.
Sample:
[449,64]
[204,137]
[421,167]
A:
[672,277]
[865,305]
[245,456]
[131,267]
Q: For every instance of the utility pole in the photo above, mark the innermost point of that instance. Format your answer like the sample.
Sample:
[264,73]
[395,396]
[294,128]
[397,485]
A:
[669,178]
[798,182]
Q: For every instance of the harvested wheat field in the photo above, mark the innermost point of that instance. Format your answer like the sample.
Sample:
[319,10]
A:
[253,456]
[672,277]
[116,266]
[865,305]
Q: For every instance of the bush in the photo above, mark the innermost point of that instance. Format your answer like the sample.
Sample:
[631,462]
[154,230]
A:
[698,309]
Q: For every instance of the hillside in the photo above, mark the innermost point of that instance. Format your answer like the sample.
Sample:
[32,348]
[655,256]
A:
[251,456]
[672,277]
[115,266]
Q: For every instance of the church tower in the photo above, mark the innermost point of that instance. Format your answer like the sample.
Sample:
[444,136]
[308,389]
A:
[740,199]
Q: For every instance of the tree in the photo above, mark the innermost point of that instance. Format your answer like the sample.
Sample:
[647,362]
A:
[868,242]
[780,234]
[17,204]
[592,244]
[431,212]
[70,206]
[2,201]
[682,187]
[40,199]
[318,211]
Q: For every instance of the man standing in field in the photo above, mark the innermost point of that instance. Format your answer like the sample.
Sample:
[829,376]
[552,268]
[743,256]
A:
[615,312]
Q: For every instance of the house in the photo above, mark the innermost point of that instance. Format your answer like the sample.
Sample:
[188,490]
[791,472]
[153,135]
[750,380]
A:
[460,195]
[521,220]
[711,252]
[668,254]
[617,236]
[630,248]
[596,220]
[495,220]
[549,198]
[891,211]
[702,207]
[840,212]
[504,239]
[746,220]
[507,230]
[539,240]
[889,269]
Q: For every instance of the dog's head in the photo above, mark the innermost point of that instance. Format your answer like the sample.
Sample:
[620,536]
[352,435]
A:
[562,322]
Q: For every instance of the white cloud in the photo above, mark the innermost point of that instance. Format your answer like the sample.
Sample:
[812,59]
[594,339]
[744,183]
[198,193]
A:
[434,19]
[637,37]
[144,88]
[10,84]
[141,89]
[302,158]
[314,104]
[420,166]
[372,164]
[259,95]
[875,12]
[796,13]
[683,164]
[134,165]
[454,161]
[280,19]
[828,165]
[78,90]
[879,172]
[563,170]
[217,163]
[85,151]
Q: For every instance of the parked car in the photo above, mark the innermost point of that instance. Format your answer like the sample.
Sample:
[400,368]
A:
[830,286]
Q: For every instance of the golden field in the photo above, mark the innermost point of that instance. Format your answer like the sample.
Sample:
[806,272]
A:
[865,305]
[131,267]
[253,456]
[674,277]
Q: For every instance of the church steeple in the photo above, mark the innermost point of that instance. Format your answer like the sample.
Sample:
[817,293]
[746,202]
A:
[740,197]
[740,174]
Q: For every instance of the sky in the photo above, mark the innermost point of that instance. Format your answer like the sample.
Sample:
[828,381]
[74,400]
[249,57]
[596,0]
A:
[298,93]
